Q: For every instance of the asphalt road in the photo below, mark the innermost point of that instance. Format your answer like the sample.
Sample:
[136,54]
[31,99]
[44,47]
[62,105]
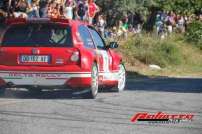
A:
[60,112]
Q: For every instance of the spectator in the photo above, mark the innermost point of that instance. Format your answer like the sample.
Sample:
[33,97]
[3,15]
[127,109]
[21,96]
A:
[58,11]
[122,29]
[137,23]
[170,21]
[186,22]
[43,8]
[34,10]
[114,32]
[159,24]
[200,15]
[54,10]
[82,9]
[21,9]
[68,9]
[101,24]
[60,2]
[3,10]
[181,24]
[92,10]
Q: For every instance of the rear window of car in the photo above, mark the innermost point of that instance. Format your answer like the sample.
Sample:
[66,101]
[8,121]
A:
[37,35]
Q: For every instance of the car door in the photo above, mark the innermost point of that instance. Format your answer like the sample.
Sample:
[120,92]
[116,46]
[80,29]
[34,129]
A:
[105,58]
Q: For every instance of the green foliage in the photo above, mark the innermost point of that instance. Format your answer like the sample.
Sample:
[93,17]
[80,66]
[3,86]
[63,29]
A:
[194,33]
[150,50]
[136,5]
[125,5]
[143,6]
[117,9]
[180,6]
[168,54]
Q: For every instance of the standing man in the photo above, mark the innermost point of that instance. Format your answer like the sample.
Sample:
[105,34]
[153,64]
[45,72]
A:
[92,10]
[82,9]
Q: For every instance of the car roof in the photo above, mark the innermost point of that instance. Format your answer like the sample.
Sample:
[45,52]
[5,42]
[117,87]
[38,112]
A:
[60,21]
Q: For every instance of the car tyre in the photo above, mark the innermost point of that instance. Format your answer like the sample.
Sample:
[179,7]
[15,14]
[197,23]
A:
[122,79]
[92,93]
[2,91]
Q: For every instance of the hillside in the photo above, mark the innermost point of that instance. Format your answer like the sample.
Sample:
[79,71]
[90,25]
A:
[174,55]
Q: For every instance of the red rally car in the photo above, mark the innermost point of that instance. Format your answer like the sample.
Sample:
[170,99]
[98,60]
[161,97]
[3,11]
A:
[58,53]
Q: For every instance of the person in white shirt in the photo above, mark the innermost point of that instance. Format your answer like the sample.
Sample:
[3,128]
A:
[68,9]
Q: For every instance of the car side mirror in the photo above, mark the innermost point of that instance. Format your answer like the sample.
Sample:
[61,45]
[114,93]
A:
[113,45]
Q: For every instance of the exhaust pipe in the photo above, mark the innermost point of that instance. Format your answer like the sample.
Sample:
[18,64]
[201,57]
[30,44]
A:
[10,84]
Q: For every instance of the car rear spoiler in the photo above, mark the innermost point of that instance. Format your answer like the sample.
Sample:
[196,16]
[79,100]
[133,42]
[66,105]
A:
[12,21]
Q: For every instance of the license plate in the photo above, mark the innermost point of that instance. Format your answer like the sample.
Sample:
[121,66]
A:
[34,59]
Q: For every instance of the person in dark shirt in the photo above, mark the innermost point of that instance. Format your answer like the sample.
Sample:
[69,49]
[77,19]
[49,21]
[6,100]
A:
[4,10]
[21,8]
[43,4]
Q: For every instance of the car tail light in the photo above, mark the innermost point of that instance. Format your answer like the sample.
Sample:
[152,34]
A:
[75,57]
[1,51]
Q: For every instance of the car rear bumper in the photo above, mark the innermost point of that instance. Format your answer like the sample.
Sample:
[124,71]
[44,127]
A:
[62,68]
[45,79]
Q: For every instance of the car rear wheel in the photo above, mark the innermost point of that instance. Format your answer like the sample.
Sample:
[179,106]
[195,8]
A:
[94,83]
[122,79]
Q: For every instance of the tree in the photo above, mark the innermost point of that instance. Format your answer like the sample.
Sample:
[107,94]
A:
[116,9]
[180,6]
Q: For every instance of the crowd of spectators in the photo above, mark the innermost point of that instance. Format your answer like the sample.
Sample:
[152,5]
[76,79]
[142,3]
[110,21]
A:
[84,10]
[169,22]
[89,11]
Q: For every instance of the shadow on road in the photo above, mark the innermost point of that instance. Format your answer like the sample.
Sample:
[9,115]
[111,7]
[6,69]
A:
[136,82]
[57,94]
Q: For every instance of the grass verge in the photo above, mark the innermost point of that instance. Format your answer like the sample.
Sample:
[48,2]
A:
[174,55]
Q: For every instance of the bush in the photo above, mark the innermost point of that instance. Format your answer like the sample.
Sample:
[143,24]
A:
[151,50]
[194,33]
[168,53]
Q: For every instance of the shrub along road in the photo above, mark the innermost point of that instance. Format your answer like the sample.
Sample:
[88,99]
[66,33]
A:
[63,113]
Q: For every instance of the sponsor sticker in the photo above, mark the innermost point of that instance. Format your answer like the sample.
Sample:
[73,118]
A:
[161,117]
[35,75]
